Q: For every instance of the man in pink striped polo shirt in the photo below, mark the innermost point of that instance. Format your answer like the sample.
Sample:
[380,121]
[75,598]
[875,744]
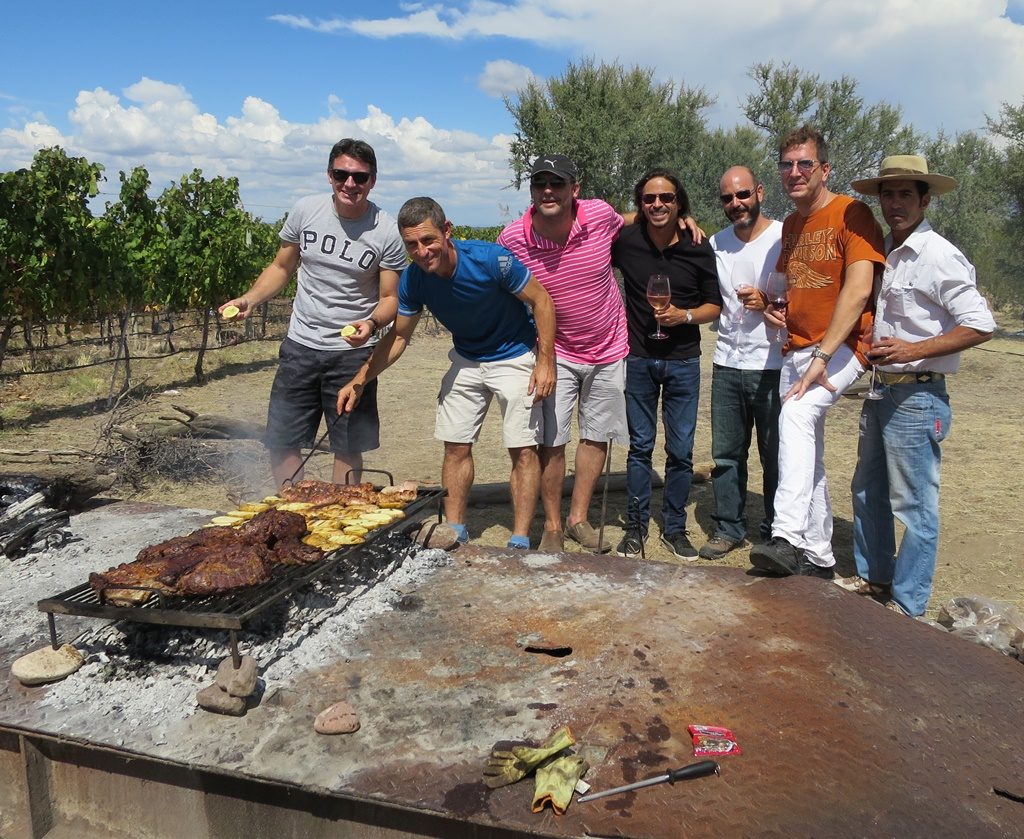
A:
[566,244]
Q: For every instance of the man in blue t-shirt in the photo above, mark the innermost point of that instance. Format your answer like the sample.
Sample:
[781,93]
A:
[480,293]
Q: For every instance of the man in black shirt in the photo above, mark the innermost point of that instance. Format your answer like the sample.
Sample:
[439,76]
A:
[666,368]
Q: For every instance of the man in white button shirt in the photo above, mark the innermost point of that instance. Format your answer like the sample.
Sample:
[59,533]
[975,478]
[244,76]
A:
[745,376]
[928,310]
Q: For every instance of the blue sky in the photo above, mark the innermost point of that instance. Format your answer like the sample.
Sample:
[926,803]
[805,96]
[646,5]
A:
[261,90]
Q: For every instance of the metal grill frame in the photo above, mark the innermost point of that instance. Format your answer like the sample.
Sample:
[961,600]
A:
[231,610]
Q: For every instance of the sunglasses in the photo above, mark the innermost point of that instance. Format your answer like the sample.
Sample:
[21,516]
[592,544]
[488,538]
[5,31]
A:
[663,197]
[805,166]
[545,183]
[739,195]
[342,175]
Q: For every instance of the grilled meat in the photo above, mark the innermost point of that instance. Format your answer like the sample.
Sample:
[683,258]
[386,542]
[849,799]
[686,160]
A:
[211,560]
[321,492]
[229,567]
[272,526]
[294,552]
[177,545]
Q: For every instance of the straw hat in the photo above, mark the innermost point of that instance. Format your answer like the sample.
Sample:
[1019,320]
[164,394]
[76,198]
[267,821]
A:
[905,167]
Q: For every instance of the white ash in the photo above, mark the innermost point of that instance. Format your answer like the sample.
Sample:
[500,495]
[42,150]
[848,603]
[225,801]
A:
[145,677]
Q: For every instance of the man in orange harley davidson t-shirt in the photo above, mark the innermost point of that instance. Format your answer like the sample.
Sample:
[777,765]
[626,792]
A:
[831,247]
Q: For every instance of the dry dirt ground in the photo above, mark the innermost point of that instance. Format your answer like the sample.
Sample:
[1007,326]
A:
[982,540]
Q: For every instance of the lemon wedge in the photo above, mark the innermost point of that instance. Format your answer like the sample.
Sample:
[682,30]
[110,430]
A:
[230,312]
[348,330]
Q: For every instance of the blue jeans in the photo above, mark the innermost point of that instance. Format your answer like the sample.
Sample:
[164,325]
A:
[677,384]
[740,401]
[897,474]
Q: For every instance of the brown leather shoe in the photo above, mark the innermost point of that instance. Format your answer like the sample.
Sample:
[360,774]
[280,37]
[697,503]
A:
[552,542]
[583,533]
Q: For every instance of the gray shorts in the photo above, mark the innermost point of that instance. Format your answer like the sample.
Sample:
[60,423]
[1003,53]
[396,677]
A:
[306,389]
[466,392]
[600,392]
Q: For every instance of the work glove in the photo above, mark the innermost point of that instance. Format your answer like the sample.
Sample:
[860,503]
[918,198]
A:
[555,782]
[507,767]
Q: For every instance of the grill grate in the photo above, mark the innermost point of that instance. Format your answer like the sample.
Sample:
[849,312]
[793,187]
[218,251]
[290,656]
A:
[232,610]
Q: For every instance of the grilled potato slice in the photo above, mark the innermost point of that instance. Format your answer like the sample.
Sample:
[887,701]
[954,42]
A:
[244,515]
[226,521]
[338,539]
[324,525]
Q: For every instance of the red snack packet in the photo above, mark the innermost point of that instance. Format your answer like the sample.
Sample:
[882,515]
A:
[713,740]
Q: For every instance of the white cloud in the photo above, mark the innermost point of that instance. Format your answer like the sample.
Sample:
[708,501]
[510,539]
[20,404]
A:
[503,78]
[148,91]
[934,59]
[302,22]
[275,160]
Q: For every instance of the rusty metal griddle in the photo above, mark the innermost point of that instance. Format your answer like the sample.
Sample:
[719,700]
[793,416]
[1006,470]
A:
[234,609]
[854,721]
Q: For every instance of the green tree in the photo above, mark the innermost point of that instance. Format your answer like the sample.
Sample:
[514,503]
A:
[703,165]
[973,216]
[132,243]
[859,135]
[129,256]
[1010,126]
[613,122]
[209,252]
[47,238]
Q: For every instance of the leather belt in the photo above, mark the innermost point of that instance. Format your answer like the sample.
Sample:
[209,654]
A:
[909,378]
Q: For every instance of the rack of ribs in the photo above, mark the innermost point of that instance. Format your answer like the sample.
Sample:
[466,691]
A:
[210,560]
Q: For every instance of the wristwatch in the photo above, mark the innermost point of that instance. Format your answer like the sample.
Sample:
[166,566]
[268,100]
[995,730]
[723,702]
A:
[818,352]
[689,316]
[376,326]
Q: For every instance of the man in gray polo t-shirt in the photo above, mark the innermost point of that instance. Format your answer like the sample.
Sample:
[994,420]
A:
[348,254]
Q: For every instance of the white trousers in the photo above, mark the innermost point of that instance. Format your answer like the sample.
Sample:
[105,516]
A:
[803,509]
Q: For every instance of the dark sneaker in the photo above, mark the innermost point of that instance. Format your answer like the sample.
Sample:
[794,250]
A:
[679,544]
[806,568]
[632,543]
[776,556]
[718,547]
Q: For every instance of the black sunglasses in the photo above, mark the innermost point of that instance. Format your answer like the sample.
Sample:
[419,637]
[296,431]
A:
[544,183]
[342,175]
[664,197]
[741,195]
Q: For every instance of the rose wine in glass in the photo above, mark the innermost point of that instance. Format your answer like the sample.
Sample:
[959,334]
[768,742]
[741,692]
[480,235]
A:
[777,289]
[659,295]
[743,277]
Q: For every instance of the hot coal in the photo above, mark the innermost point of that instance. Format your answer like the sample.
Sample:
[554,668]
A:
[146,677]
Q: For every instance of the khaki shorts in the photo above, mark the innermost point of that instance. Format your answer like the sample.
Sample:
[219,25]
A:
[465,396]
[600,392]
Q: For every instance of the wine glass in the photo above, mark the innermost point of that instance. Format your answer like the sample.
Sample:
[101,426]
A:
[874,391]
[659,295]
[777,289]
[743,277]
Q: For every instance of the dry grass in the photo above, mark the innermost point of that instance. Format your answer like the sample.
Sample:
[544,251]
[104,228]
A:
[982,536]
